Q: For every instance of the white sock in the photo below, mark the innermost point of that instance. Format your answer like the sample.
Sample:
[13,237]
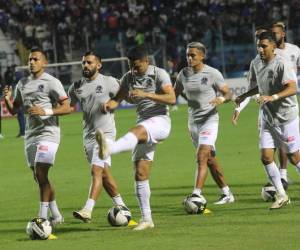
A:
[298,167]
[125,143]
[197,191]
[44,206]
[274,176]
[54,209]
[283,174]
[225,190]
[143,193]
[89,205]
[118,201]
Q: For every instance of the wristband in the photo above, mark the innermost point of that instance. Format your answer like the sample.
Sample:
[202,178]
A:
[222,99]
[48,111]
[275,97]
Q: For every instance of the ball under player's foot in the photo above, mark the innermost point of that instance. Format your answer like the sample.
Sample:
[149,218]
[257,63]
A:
[83,215]
[132,223]
[144,224]
[281,201]
[102,144]
[224,199]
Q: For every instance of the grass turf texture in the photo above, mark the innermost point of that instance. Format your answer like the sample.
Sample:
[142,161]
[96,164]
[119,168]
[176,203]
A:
[246,224]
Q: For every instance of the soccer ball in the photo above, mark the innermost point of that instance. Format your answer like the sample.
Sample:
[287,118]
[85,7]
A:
[268,192]
[118,216]
[38,229]
[194,204]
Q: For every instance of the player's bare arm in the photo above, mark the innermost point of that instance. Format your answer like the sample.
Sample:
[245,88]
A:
[290,89]
[112,104]
[249,93]
[166,97]
[11,106]
[178,89]
[62,109]
[225,97]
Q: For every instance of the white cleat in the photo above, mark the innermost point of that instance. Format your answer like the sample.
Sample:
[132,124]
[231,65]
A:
[224,199]
[280,202]
[83,214]
[143,224]
[56,220]
[103,152]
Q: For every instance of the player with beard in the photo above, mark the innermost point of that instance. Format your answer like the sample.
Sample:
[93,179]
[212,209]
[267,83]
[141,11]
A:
[90,92]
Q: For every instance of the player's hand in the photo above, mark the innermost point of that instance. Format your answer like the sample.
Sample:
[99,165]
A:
[109,106]
[137,93]
[235,117]
[264,99]
[36,110]
[7,92]
[217,101]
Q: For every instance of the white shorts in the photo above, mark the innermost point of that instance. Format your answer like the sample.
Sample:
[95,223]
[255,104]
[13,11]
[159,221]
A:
[286,136]
[204,133]
[43,151]
[158,129]
[91,152]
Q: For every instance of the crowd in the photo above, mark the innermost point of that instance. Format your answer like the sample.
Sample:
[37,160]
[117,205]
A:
[55,23]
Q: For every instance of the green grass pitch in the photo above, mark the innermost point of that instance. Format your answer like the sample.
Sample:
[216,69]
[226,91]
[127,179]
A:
[246,224]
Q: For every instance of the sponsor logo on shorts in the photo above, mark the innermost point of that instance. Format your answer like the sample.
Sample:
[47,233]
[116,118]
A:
[205,133]
[42,155]
[43,148]
[290,138]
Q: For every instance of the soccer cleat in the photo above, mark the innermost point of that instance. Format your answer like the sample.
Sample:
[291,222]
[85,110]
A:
[103,152]
[280,202]
[224,199]
[143,224]
[83,214]
[132,223]
[1,136]
[285,184]
[56,221]
[52,237]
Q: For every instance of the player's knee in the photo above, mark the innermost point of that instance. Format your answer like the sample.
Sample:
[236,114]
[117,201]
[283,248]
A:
[266,159]
[294,158]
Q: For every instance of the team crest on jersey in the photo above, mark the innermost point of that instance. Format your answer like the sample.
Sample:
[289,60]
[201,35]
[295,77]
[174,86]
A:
[148,83]
[78,91]
[204,81]
[270,74]
[292,58]
[41,88]
[99,89]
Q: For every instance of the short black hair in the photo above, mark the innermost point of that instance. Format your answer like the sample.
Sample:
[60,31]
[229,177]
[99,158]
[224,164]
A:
[38,49]
[137,53]
[93,53]
[267,35]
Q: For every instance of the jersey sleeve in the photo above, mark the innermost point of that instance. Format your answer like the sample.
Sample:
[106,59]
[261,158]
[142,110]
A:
[17,97]
[252,77]
[114,87]
[287,73]
[218,79]
[163,78]
[57,91]
[72,95]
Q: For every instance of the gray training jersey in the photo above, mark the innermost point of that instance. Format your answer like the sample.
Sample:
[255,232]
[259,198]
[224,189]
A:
[90,95]
[270,79]
[45,91]
[201,88]
[152,81]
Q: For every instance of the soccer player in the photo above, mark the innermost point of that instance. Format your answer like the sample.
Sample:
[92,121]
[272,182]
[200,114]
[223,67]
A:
[151,89]
[291,53]
[91,91]
[200,83]
[43,98]
[273,78]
